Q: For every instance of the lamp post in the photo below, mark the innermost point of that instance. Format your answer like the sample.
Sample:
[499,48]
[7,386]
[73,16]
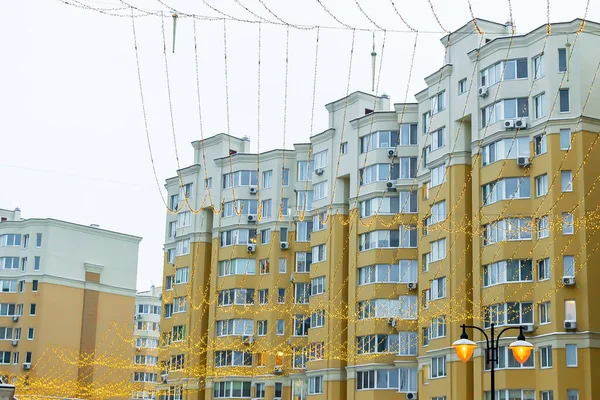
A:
[464,348]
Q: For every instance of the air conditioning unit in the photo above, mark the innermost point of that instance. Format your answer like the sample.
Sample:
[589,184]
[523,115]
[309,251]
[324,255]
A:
[391,186]
[523,161]
[528,328]
[570,324]
[391,322]
[411,396]
[140,316]
[251,248]
[15,318]
[253,189]
[26,366]
[284,245]
[319,171]
[568,280]
[411,285]
[482,92]
[278,370]
[165,377]
[292,278]
[138,349]
[392,153]
[521,123]
[509,124]
[248,339]
[14,343]
[252,218]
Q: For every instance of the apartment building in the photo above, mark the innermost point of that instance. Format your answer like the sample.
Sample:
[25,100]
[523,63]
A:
[345,267]
[146,333]
[67,295]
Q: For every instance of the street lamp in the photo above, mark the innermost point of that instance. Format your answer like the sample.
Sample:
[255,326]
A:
[521,349]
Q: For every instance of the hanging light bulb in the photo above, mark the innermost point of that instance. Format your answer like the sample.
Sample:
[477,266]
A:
[373,62]
[521,349]
[174,30]
[464,347]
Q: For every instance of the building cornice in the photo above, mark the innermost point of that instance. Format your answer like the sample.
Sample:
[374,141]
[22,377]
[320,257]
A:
[373,118]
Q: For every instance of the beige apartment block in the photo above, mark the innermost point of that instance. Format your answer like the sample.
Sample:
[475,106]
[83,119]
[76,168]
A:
[344,268]
[66,304]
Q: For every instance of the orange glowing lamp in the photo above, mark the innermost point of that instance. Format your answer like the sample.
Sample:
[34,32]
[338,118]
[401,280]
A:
[464,347]
[521,349]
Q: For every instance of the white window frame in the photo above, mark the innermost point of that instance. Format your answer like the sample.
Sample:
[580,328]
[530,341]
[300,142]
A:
[566,180]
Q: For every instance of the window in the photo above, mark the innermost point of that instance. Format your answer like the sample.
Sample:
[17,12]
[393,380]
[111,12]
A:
[280,327]
[564,105]
[539,106]
[571,351]
[567,224]
[316,351]
[570,310]
[506,189]
[538,66]
[259,390]
[168,310]
[405,271]
[438,250]
[566,179]
[572,394]
[438,327]
[317,285]
[184,219]
[34,285]
[303,231]
[408,135]
[562,60]
[239,178]
[208,183]
[179,304]
[377,379]
[438,212]
[25,241]
[172,229]
[38,240]
[145,377]
[281,296]
[32,309]
[408,236]
[301,325]
[565,139]
[438,175]
[262,328]
[381,140]
[539,144]
[407,343]
[305,170]
[379,205]
[231,389]
[183,247]
[285,207]
[408,201]
[235,327]
[174,202]
[237,266]
[544,269]
[263,296]
[320,190]
[507,271]
[319,253]
[283,234]
[504,71]
[547,395]
[344,148]
[320,221]
[264,266]
[438,139]
[546,357]
[185,191]
[28,357]
[301,293]
[304,200]
[266,208]
[437,103]
[267,179]
[381,240]
[315,385]
[507,229]
[545,313]
[282,265]
[171,256]
[462,86]
[10,239]
[512,394]
[438,367]
[303,262]
[505,109]
[278,390]
[507,361]
[377,344]
[438,288]
[317,319]
[568,266]
[265,236]
[505,149]
[182,275]
[239,207]
[320,159]
[9,262]
[408,307]
[511,313]
[543,227]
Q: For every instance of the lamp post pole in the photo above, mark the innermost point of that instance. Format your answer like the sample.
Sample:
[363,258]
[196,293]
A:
[492,345]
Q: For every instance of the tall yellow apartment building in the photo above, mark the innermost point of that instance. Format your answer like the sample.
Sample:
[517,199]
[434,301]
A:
[343,269]
[66,304]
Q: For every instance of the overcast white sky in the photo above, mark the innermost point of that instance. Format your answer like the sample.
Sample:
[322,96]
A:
[71,128]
